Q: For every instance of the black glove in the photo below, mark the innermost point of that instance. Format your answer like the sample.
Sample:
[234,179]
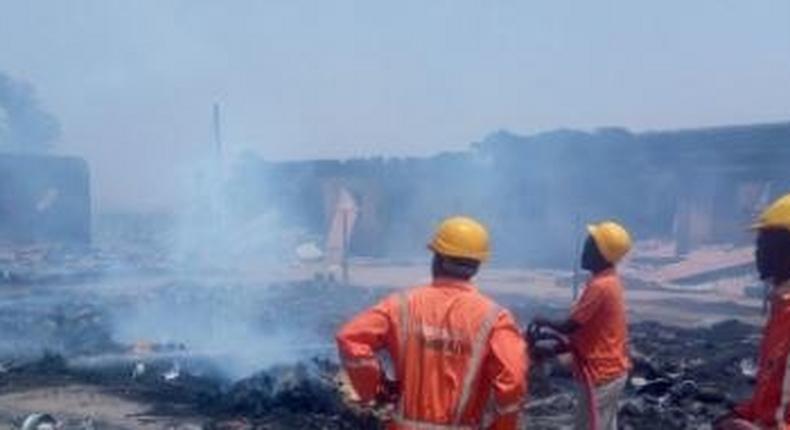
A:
[389,391]
[532,334]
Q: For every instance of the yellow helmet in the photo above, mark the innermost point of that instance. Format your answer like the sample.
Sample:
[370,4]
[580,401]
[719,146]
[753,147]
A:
[777,215]
[461,237]
[612,240]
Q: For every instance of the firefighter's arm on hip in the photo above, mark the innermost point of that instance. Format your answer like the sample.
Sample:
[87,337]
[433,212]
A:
[357,342]
[506,368]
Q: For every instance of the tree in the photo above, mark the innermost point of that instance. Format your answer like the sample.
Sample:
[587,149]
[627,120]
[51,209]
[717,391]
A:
[24,126]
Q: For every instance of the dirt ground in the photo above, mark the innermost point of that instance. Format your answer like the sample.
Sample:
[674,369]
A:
[91,407]
[85,406]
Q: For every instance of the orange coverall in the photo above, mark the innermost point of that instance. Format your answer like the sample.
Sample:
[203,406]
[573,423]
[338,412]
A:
[768,407]
[459,358]
[602,339]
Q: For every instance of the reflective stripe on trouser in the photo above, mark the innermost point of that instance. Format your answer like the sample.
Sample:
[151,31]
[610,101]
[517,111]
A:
[606,397]
[493,412]
[507,410]
[405,424]
[735,424]
[478,351]
[781,411]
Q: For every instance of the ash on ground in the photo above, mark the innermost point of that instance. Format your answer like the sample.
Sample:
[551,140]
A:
[211,353]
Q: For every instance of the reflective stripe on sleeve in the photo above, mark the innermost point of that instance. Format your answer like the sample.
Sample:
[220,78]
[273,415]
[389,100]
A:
[403,301]
[403,304]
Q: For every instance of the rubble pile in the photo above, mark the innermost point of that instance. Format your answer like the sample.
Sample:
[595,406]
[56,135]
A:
[35,322]
[685,378]
[59,337]
[303,395]
[300,396]
[682,378]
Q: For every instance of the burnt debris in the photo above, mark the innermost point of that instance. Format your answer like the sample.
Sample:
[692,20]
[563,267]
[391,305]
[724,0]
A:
[682,377]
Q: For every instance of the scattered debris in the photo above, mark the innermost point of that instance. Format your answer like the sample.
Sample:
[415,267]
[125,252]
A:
[40,421]
[139,370]
[682,378]
[173,373]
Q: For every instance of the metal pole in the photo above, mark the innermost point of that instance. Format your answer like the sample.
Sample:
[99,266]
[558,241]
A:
[217,131]
[217,197]
[345,246]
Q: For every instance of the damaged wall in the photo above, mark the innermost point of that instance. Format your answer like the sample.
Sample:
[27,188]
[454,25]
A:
[536,192]
[44,199]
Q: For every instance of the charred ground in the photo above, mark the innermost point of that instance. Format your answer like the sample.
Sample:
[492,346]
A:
[64,336]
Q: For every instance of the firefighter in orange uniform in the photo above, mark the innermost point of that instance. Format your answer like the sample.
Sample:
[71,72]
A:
[769,407]
[459,358]
[597,329]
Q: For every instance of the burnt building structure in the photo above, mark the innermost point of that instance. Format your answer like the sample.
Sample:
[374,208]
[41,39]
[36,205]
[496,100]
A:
[44,199]
[690,187]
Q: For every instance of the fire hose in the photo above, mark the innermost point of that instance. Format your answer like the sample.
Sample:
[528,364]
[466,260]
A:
[580,369]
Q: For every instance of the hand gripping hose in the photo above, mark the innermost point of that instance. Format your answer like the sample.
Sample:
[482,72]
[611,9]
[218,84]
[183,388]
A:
[580,368]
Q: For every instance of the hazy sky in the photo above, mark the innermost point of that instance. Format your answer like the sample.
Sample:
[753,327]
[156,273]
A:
[132,82]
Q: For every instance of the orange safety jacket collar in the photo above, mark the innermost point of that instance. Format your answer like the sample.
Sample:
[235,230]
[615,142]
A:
[444,282]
